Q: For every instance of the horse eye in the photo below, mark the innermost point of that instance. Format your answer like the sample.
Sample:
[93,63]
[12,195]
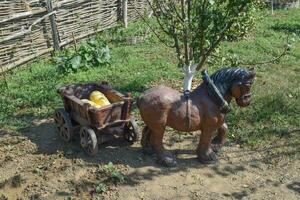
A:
[248,82]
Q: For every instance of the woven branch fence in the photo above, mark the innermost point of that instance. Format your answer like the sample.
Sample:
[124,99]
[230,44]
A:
[33,28]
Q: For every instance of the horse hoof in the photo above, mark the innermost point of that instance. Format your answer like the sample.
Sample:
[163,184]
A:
[167,162]
[148,151]
[167,159]
[216,147]
[207,157]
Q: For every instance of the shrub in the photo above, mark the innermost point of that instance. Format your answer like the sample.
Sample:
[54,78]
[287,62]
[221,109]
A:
[93,53]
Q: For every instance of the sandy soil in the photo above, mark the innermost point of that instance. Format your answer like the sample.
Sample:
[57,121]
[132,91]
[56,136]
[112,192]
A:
[38,165]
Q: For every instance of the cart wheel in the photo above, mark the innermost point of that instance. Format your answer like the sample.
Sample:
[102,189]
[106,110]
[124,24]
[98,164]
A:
[88,140]
[131,131]
[64,124]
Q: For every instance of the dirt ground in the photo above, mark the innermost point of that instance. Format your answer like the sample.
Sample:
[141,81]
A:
[37,164]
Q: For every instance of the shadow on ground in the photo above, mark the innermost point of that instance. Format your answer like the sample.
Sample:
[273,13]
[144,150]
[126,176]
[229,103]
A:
[143,168]
[45,136]
[295,186]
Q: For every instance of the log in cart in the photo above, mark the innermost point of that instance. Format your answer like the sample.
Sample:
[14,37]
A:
[93,122]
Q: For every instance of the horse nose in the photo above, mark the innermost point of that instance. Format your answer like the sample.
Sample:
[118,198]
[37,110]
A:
[247,96]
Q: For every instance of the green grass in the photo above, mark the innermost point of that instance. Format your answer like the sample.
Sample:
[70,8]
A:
[275,109]
[29,93]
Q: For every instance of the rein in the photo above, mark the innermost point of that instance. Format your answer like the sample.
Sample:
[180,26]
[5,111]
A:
[214,92]
[188,109]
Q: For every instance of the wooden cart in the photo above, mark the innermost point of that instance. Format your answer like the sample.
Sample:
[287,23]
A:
[91,120]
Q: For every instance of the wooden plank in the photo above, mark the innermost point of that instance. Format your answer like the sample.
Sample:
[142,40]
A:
[25,60]
[54,30]
[26,31]
[124,8]
[84,35]
[14,17]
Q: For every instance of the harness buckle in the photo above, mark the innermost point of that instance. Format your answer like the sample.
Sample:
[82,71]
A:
[187,94]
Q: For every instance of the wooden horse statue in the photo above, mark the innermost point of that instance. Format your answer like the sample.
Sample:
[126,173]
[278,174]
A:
[203,109]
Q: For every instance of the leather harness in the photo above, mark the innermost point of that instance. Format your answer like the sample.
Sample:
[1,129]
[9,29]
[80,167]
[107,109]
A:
[214,93]
[188,109]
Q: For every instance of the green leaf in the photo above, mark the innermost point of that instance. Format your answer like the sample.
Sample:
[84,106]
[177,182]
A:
[75,62]
[88,57]
[118,176]
[59,59]
[110,165]
[101,188]
[92,42]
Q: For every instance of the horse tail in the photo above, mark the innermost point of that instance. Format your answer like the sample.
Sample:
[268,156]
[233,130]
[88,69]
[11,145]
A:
[137,102]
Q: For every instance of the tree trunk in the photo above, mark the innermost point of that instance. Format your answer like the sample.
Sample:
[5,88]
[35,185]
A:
[189,73]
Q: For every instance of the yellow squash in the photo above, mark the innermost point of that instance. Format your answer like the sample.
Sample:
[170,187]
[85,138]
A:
[90,102]
[99,98]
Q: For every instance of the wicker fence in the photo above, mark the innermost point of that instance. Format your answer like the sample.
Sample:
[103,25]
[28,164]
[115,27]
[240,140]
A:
[32,28]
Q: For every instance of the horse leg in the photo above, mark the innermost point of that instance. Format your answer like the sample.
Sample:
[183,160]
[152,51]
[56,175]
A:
[145,142]
[164,157]
[220,139]
[205,154]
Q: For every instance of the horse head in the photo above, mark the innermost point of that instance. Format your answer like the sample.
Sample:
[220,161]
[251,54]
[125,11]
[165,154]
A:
[241,89]
[235,82]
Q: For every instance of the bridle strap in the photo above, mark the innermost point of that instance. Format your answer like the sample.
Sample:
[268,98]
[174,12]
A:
[188,109]
[214,92]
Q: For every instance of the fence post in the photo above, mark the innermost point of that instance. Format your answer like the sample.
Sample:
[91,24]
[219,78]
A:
[119,11]
[53,26]
[272,7]
[124,8]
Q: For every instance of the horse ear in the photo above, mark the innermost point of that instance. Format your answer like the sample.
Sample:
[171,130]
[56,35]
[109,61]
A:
[252,73]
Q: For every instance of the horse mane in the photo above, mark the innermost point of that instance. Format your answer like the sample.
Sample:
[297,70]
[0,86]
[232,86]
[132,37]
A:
[224,78]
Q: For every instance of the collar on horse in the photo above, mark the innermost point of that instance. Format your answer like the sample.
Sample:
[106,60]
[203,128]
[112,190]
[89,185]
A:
[186,94]
[214,93]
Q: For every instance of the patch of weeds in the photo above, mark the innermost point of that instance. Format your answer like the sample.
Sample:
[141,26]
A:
[39,170]
[113,173]
[101,188]
[107,176]
[93,53]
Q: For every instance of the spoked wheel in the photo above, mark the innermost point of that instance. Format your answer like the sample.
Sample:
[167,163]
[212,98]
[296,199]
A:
[88,140]
[64,124]
[131,131]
